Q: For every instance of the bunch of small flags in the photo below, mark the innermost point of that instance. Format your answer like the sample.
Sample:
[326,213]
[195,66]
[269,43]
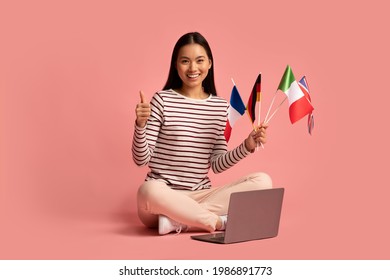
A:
[297,94]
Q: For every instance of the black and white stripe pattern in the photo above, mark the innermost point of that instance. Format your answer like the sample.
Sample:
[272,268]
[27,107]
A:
[183,138]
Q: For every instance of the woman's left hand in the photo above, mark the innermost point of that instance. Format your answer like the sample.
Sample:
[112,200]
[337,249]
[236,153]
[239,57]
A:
[257,136]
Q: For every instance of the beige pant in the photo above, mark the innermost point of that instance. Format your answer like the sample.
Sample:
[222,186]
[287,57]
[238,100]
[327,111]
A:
[197,209]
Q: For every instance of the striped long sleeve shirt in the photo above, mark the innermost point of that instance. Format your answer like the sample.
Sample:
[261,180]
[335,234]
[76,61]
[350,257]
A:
[183,138]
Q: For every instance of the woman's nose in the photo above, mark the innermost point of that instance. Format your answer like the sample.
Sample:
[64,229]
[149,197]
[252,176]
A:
[193,65]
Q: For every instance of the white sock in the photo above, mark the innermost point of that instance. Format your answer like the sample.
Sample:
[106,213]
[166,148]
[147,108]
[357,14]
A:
[223,222]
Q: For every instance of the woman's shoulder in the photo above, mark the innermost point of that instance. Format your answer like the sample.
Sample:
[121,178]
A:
[218,99]
[167,93]
[164,92]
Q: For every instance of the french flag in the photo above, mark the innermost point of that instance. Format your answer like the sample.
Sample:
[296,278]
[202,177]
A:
[235,111]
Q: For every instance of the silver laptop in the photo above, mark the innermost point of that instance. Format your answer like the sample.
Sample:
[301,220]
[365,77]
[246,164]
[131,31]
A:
[251,215]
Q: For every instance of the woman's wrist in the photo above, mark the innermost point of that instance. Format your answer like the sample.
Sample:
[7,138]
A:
[247,147]
[142,125]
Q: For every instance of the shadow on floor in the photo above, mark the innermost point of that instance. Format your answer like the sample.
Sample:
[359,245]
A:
[130,225]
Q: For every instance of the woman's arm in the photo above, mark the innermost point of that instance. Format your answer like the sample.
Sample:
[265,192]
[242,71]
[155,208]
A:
[221,159]
[146,130]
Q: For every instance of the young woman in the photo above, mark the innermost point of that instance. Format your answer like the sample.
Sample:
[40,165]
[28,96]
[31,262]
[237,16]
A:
[180,134]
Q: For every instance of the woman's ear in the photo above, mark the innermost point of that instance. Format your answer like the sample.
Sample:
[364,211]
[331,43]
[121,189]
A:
[211,63]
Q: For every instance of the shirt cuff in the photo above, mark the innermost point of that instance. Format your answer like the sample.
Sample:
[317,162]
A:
[244,150]
[138,128]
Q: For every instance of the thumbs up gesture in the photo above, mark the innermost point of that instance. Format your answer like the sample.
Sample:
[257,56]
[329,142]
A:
[142,110]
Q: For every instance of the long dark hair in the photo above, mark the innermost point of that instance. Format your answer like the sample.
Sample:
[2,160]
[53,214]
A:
[174,81]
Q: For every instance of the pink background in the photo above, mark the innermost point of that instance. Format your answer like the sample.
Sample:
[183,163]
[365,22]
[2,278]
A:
[70,72]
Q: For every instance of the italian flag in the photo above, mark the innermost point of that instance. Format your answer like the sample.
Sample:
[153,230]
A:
[299,105]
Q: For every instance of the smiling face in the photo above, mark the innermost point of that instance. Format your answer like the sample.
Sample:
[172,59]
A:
[192,65]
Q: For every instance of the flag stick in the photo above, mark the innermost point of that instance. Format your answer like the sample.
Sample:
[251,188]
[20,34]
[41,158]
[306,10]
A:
[233,81]
[258,122]
[277,109]
[257,144]
[259,108]
[254,128]
[270,106]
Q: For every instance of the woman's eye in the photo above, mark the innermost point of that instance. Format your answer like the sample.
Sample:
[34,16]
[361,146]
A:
[200,60]
[185,61]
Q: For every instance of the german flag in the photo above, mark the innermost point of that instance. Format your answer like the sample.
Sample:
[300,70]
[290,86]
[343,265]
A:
[253,98]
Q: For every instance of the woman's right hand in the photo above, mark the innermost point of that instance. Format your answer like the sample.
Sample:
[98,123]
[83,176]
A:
[257,136]
[142,111]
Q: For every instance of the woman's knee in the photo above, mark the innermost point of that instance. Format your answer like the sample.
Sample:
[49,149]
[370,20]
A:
[263,180]
[147,196]
[148,191]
